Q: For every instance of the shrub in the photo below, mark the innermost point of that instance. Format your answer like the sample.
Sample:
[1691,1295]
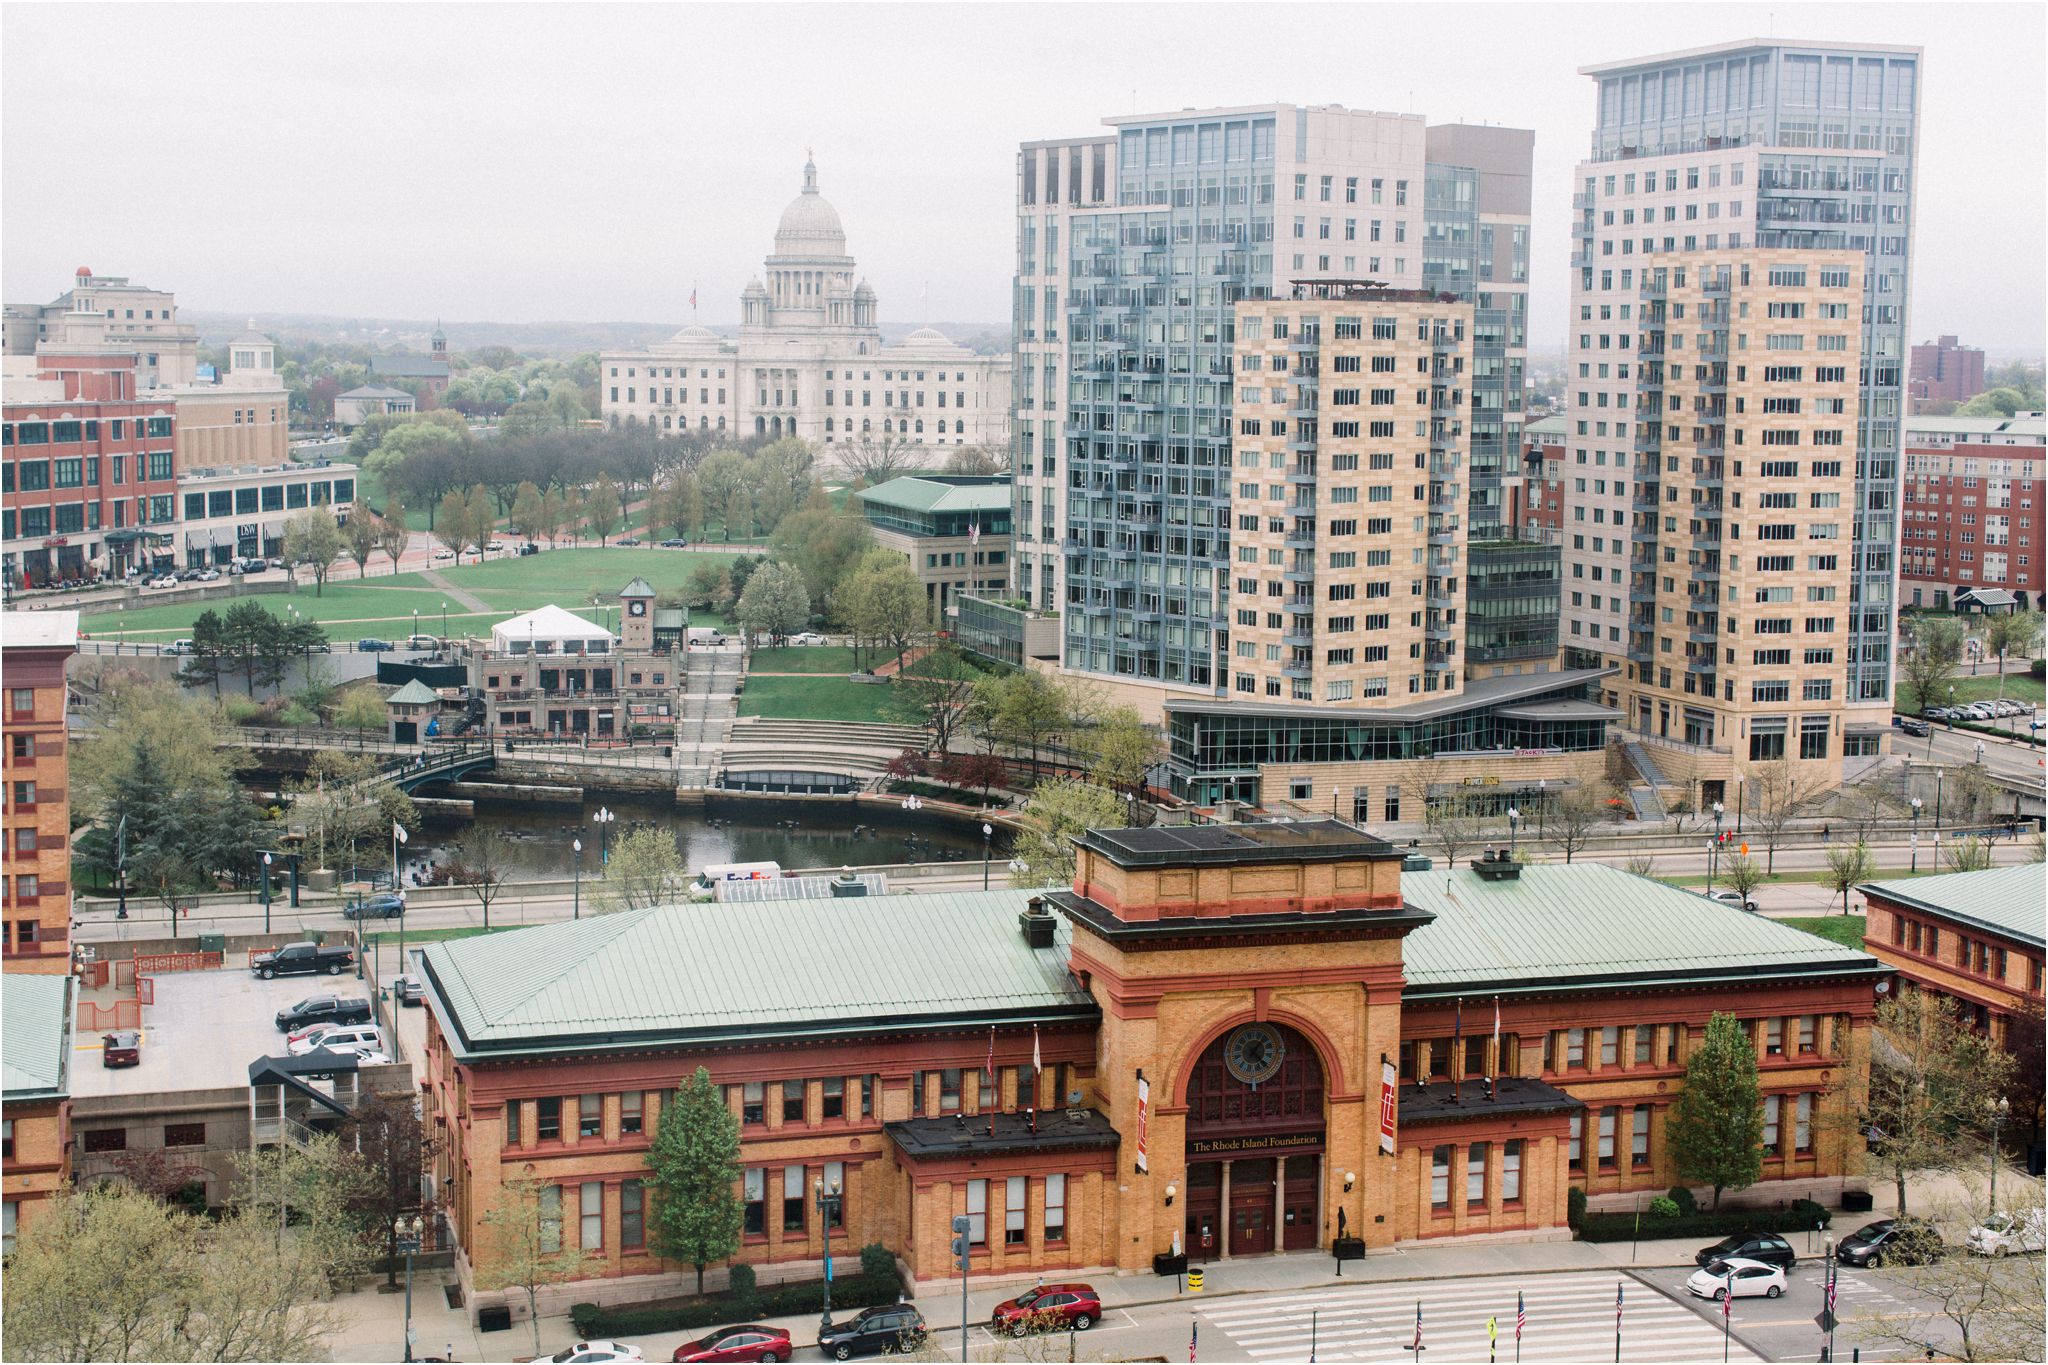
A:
[1663,1207]
[1682,1196]
[584,1316]
[1622,1227]
[1805,1213]
[1575,1207]
[877,1260]
[295,714]
[853,1291]
[243,710]
[740,1282]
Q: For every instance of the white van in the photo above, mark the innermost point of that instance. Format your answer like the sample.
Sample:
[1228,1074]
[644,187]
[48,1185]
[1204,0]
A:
[349,1037]
[706,635]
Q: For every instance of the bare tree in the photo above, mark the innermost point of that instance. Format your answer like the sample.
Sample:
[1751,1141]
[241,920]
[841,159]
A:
[1640,865]
[1576,814]
[1987,1307]
[979,459]
[1968,854]
[876,459]
[1777,790]
[1848,864]
[1453,821]
[482,860]
[1743,876]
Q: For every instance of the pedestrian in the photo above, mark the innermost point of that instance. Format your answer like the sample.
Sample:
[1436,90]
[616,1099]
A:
[1827,833]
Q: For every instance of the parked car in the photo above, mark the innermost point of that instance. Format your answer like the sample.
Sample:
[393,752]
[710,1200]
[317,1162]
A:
[527,549]
[314,1032]
[422,642]
[1737,1277]
[1735,898]
[494,545]
[323,1009]
[2037,724]
[409,990]
[383,905]
[1047,1308]
[891,1327]
[1767,1247]
[627,540]
[443,554]
[178,647]
[2004,1233]
[595,1352]
[208,576]
[674,543]
[807,637]
[365,1056]
[1901,1241]
[370,644]
[1919,729]
[749,1342]
[163,580]
[121,1049]
[300,959]
[338,1039]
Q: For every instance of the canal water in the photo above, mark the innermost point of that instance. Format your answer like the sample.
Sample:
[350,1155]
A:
[794,834]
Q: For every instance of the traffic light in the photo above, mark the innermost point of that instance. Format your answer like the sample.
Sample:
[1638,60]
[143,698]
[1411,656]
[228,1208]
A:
[961,1225]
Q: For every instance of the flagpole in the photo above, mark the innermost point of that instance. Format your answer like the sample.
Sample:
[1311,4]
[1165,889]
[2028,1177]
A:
[401,898]
[1521,1315]
[996,1099]
[1617,1322]
[1457,1066]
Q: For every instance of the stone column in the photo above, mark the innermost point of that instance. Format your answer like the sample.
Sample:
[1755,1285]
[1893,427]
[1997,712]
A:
[1223,1215]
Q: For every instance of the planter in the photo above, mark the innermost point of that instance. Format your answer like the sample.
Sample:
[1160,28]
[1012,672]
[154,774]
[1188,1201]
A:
[1165,1263]
[1856,1201]
[1348,1248]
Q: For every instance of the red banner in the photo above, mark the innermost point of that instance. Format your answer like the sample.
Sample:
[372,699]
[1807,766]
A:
[1144,1116]
[1388,1080]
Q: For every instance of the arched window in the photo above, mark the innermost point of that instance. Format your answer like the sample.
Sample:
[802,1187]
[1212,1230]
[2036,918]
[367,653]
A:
[761,426]
[865,424]
[959,426]
[1290,1095]
[863,348]
[920,424]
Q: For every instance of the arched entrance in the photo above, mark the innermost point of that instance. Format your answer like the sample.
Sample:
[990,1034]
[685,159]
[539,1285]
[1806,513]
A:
[1255,1134]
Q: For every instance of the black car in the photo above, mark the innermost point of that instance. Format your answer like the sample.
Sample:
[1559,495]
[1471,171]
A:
[323,1009]
[372,645]
[1750,1246]
[674,544]
[1916,728]
[1901,1241]
[892,1327]
[383,905]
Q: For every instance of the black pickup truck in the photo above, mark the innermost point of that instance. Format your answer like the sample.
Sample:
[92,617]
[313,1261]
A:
[302,959]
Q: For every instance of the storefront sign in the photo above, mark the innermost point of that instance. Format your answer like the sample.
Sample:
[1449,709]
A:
[1144,1117]
[1253,1142]
[1388,1080]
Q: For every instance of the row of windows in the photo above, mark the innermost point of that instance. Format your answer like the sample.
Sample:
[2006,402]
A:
[67,432]
[1972,955]
[34,476]
[151,510]
[273,497]
[116,1139]
[1477,1172]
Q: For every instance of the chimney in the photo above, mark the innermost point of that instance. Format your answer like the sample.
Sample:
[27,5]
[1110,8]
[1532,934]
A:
[1497,866]
[1037,923]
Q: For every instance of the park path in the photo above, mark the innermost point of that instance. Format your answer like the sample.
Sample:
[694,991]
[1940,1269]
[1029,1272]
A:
[470,600]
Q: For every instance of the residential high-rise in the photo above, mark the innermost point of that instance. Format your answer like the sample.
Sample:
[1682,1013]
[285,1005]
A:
[37,762]
[1945,371]
[1750,185]
[1135,253]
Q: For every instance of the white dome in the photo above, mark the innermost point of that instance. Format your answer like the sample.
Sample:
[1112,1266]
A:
[926,336]
[695,334]
[810,226]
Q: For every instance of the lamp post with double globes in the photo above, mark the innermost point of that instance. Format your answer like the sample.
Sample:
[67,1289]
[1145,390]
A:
[1916,835]
[576,845]
[1514,821]
[406,1231]
[828,1197]
[603,820]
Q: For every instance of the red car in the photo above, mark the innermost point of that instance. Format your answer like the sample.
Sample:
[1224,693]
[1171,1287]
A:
[1048,1308]
[746,1342]
[121,1049]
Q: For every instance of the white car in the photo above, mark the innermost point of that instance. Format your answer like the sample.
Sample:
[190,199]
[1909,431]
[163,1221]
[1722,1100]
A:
[495,545]
[1744,1279]
[1734,898]
[2002,1234]
[163,580]
[594,1352]
[443,554]
[807,637]
[209,576]
[347,1037]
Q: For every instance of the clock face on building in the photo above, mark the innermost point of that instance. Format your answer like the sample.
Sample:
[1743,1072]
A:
[636,608]
[1254,1053]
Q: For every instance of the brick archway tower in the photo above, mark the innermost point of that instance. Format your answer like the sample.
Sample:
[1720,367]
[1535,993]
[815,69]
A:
[1192,936]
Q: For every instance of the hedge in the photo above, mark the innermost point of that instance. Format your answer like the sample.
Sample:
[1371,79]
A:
[1803,1215]
[783,1300]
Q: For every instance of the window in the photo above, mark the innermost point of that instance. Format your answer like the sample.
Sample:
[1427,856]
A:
[1610,1046]
[1639,1138]
[107,1140]
[550,1219]
[1440,1178]
[21,700]
[630,1114]
[1772,1108]
[977,1213]
[792,1101]
[949,1090]
[184,1135]
[589,1116]
[1646,1044]
[547,1120]
[1802,1124]
[753,1103]
[632,1215]
[835,1097]
[1577,1146]
[792,1199]
[1511,1171]
[1809,1034]
[1013,1211]
[7,1139]
[1609,1118]
[1055,1208]
[1774,1037]
[512,1124]
[1574,1048]
[1475,1176]
[756,1186]
[591,1208]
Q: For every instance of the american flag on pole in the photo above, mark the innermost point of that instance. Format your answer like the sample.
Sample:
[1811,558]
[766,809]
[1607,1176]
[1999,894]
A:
[1617,1305]
[1728,1296]
[1194,1330]
[1416,1344]
[1521,1315]
[974,533]
[1833,1282]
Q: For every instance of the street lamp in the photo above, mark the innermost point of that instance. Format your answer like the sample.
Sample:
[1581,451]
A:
[1713,846]
[406,1231]
[987,833]
[603,820]
[1514,820]
[415,624]
[1951,710]
[444,618]
[1997,1111]
[912,803]
[1980,751]
[1916,834]
[828,1213]
[577,844]
[266,893]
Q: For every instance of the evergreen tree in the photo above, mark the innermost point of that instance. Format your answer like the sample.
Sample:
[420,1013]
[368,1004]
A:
[1717,1126]
[695,1168]
[209,645]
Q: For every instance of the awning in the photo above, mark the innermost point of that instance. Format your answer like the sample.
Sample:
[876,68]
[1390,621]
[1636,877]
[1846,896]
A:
[195,540]
[223,536]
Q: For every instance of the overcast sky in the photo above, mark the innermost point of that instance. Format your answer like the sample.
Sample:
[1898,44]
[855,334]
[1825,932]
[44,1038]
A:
[597,162]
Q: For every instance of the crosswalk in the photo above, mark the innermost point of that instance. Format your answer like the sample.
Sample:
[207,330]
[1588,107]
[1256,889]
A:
[1570,1317]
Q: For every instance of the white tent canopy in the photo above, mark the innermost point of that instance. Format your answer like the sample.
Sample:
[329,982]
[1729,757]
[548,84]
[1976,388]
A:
[551,630]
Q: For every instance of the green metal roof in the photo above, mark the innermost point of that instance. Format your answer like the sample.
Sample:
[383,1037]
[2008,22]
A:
[414,693]
[35,1047]
[2006,900]
[1553,425]
[639,587]
[1588,924]
[920,494]
[695,974]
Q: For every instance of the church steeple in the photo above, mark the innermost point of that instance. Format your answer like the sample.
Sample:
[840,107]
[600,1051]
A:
[810,173]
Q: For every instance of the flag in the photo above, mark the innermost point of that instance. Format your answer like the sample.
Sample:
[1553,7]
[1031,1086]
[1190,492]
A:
[1416,1344]
[991,1069]
[1036,1065]
[1617,1305]
[693,298]
[1833,1281]
[398,832]
[974,533]
[1521,1315]
[1194,1330]
[1495,1071]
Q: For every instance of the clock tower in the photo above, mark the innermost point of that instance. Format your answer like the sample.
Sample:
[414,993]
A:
[636,617]
[1250,982]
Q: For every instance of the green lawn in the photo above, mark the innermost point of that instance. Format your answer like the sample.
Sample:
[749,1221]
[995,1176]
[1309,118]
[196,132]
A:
[822,698]
[389,937]
[1846,930]
[804,659]
[1984,687]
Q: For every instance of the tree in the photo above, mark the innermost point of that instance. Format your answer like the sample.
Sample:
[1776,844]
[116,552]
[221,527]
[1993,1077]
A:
[553,512]
[163,1177]
[975,771]
[983,460]
[1988,1306]
[363,535]
[481,517]
[1932,656]
[1121,749]
[1576,813]
[1452,818]
[361,708]
[345,802]
[253,638]
[694,1167]
[311,537]
[1742,875]
[875,459]
[1059,811]
[1848,864]
[209,647]
[1716,1130]
[707,586]
[676,504]
[524,1246]
[775,602]
[2016,632]
[1930,1077]
[939,685]
[823,545]
[645,870]
[451,527]
[483,858]
[526,512]
[1640,865]
[1968,854]
[883,601]
[393,1148]
[392,535]
[1777,790]
[2027,1041]
[601,507]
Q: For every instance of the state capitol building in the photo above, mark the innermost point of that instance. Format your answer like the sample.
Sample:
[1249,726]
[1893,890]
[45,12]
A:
[809,360]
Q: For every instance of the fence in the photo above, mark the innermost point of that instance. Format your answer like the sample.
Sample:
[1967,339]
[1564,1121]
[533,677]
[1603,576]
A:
[122,1014]
[173,962]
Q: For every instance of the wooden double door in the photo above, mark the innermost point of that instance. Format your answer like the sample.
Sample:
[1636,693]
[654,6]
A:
[1271,1206]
